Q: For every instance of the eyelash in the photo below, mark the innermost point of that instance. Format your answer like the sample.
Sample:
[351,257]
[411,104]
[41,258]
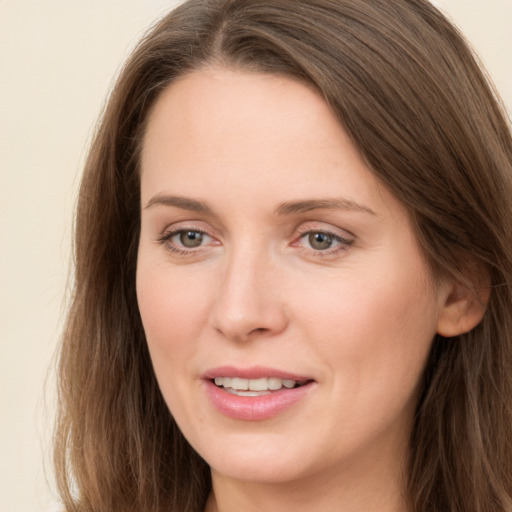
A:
[166,237]
[343,243]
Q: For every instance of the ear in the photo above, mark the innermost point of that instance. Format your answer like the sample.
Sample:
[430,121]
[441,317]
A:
[464,305]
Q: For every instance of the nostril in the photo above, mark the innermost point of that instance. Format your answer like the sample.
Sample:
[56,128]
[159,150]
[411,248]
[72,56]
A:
[259,330]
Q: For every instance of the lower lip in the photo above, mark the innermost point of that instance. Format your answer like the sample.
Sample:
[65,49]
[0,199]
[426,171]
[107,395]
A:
[255,408]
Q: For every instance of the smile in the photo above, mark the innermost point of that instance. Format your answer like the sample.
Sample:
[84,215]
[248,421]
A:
[255,387]
[257,393]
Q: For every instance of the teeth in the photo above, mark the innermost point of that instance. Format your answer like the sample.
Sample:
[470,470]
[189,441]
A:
[257,385]
[274,383]
[247,393]
[240,384]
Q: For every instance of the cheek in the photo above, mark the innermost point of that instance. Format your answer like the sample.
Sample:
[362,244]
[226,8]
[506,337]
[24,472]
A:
[171,299]
[173,311]
[163,308]
[372,336]
[373,326]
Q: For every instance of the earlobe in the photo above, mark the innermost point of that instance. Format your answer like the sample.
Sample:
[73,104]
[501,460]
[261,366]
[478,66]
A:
[464,309]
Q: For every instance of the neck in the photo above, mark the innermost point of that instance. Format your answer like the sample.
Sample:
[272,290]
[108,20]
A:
[369,486]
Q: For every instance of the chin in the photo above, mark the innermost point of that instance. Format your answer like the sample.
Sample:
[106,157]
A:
[257,471]
[258,459]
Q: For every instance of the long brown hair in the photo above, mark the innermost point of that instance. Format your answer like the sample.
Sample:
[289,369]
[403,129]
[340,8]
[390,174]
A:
[408,91]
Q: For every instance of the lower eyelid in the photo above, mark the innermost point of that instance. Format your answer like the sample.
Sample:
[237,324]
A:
[342,244]
[166,240]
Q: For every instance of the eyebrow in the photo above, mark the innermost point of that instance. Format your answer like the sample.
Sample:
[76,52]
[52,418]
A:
[287,208]
[297,207]
[183,203]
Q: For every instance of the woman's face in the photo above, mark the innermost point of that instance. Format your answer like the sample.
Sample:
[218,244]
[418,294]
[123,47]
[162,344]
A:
[272,259]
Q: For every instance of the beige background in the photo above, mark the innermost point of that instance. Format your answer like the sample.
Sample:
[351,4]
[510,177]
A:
[57,61]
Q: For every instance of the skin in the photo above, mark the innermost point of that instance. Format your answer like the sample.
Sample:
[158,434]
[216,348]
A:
[358,318]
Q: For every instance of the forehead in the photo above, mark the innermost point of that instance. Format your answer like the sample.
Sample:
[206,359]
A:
[237,107]
[236,126]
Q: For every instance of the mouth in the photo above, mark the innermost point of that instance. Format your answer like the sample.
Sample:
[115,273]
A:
[255,393]
[256,387]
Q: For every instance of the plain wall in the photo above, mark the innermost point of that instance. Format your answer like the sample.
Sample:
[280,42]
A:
[57,62]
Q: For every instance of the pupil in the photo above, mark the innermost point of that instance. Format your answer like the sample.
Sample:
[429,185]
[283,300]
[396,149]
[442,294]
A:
[320,241]
[191,238]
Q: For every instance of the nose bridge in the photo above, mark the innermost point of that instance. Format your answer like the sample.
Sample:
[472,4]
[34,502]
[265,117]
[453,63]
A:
[248,299]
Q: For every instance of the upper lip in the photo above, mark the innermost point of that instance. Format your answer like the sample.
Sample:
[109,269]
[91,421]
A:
[252,372]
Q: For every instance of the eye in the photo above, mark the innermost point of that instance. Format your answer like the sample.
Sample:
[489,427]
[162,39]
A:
[320,241]
[189,239]
[185,241]
[323,243]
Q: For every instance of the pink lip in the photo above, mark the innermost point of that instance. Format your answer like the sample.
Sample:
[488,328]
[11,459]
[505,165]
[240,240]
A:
[253,372]
[259,407]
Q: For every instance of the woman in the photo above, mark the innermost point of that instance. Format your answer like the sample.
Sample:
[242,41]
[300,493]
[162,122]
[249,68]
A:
[293,269]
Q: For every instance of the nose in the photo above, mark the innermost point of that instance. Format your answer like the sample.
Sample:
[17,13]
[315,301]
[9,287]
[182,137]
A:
[249,302]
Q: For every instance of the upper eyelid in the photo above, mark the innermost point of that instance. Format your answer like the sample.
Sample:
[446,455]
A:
[328,233]
[341,240]
[189,225]
[165,240]
[313,226]
[169,233]
[329,229]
